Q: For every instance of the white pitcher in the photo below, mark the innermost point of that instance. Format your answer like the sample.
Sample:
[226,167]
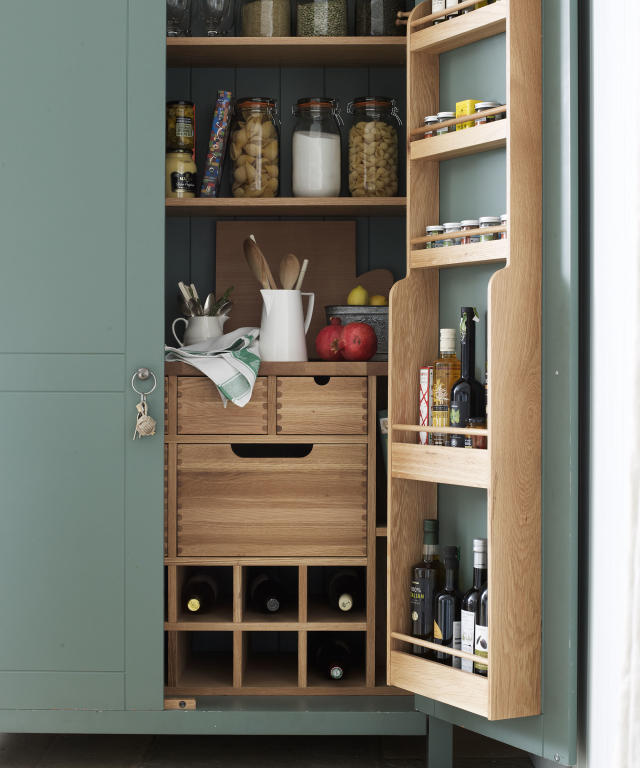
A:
[200,328]
[282,329]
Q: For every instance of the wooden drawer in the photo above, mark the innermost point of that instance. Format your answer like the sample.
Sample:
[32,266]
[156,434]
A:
[321,405]
[201,412]
[272,500]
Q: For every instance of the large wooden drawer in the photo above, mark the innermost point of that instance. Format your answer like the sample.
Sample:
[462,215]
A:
[201,412]
[272,500]
[321,405]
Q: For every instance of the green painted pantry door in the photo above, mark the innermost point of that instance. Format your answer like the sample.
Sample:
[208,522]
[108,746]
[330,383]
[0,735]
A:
[81,244]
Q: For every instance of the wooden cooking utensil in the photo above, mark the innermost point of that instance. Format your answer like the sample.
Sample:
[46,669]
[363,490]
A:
[303,272]
[289,271]
[257,263]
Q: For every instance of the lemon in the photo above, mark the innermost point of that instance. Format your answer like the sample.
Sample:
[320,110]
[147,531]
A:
[358,297]
[378,301]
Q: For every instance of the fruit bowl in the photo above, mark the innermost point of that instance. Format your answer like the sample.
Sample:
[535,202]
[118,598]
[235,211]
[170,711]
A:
[376,317]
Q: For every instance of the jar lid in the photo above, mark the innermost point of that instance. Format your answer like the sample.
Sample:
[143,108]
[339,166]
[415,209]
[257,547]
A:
[503,217]
[430,119]
[445,115]
[435,228]
[482,105]
[255,101]
[180,103]
[452,225]
[488,220]
[373,101]
[469,222]
[316,102]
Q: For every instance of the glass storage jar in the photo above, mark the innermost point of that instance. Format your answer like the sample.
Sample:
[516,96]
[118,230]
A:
[264,18]
[255,148]
[378,17]
[373,147]
[180,125]
[180,174]
[316,148]
[321,18]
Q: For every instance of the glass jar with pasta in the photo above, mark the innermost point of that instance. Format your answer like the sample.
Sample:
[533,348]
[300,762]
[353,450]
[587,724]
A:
[255,148]
[373,147]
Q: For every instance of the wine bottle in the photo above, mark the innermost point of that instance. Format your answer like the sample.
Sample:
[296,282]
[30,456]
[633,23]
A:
[200,592]
[344,590]
[334,658]
[446,373]
[446,623]
[265,593]
[467,394]
[471,601]
[428,579]
[482,632]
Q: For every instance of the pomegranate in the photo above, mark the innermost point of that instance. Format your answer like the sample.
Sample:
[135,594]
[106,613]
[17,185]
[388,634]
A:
[328,340]
[359,342]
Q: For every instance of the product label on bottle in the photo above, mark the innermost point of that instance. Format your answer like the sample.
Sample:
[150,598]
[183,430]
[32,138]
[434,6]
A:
[459,417]
[183,182]
[437,5]
[467,637]
[456,644]
[184,128]
[421,612]
[437,632]
[481,646]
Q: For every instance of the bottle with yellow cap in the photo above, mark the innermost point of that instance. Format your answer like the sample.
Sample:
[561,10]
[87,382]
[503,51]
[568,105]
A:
[200,593]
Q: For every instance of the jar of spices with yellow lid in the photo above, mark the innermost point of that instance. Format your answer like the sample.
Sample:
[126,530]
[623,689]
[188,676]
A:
[180,178]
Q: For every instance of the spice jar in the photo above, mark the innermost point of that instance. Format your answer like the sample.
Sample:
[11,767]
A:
[503,223]
[373,147]
[180,174]
[321,18]
[442,116]
[451,226]
[488,221]
[428,121]
[483,106]
[264,18]
[467,224]
[378,17]
[434,229]
[255,148]
[180,123]
[316,148]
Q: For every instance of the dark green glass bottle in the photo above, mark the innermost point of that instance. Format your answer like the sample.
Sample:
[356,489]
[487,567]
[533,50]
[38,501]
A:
[446,622]
[467,394]
[428,579]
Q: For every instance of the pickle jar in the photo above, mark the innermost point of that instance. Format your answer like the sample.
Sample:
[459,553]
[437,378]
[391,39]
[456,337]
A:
[373,147]
[254,147]
[180,125]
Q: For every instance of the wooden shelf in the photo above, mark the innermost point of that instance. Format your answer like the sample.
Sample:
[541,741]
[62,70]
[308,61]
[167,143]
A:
[271,670]
[469,28]
[491,252]
[438,681]
[469,141]
[282,621]
[311,368]
[286,51]
[323,618]
[287,206]
[434,464]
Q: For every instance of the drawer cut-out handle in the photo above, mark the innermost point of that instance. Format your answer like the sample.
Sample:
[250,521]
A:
[271,450]
[321,381]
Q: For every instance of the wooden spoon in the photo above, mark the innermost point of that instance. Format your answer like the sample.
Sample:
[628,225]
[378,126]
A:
[289,271]
[258,263]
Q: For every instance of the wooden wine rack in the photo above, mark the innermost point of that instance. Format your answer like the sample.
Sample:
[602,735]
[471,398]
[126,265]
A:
[299,514]
[510,469]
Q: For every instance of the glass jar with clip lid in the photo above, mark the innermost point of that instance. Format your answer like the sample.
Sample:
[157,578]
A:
[316,147]
[254,147]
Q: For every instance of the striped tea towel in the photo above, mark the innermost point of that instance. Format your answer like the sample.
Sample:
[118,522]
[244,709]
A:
[231,362]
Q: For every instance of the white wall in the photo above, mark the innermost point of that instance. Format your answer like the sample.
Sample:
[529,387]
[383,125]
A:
[613,256]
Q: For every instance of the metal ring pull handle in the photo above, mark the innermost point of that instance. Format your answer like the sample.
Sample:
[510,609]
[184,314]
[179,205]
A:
[142,374]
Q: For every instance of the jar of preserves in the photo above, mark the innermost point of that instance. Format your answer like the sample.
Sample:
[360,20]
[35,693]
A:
[378,17]
[373,147]
[180,125]
[321,18]
[316,147]
[180,174]
[255,148]
[264,18]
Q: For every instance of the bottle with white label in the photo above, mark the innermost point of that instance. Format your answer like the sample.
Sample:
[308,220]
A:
[446,620]
[471,602]
[436,7]
[482,632]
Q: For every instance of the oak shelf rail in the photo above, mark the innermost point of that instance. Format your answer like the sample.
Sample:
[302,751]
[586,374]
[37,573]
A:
[441,464]
[454,33]
[417,133]
[440,648]
[469,141]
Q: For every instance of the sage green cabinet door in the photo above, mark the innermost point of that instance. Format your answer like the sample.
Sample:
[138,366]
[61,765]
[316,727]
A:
[81,243]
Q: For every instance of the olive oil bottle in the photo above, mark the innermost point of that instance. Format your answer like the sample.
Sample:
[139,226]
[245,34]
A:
[447,372]
[428,579]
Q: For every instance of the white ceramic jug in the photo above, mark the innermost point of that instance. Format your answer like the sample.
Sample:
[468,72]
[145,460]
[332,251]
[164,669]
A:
[199,328]
[282,329]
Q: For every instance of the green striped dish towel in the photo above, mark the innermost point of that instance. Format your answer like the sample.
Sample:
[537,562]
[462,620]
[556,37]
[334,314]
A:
[231,362]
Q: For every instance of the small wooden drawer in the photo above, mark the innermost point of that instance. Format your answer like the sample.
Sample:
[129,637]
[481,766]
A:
[272,500]
[321,405]
[201,412]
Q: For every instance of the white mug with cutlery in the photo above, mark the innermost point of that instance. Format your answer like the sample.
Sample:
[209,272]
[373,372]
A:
[283,327]
[200,328]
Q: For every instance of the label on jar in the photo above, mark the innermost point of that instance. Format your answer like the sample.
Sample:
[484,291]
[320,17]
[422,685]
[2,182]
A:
[183,182]
[184,128]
